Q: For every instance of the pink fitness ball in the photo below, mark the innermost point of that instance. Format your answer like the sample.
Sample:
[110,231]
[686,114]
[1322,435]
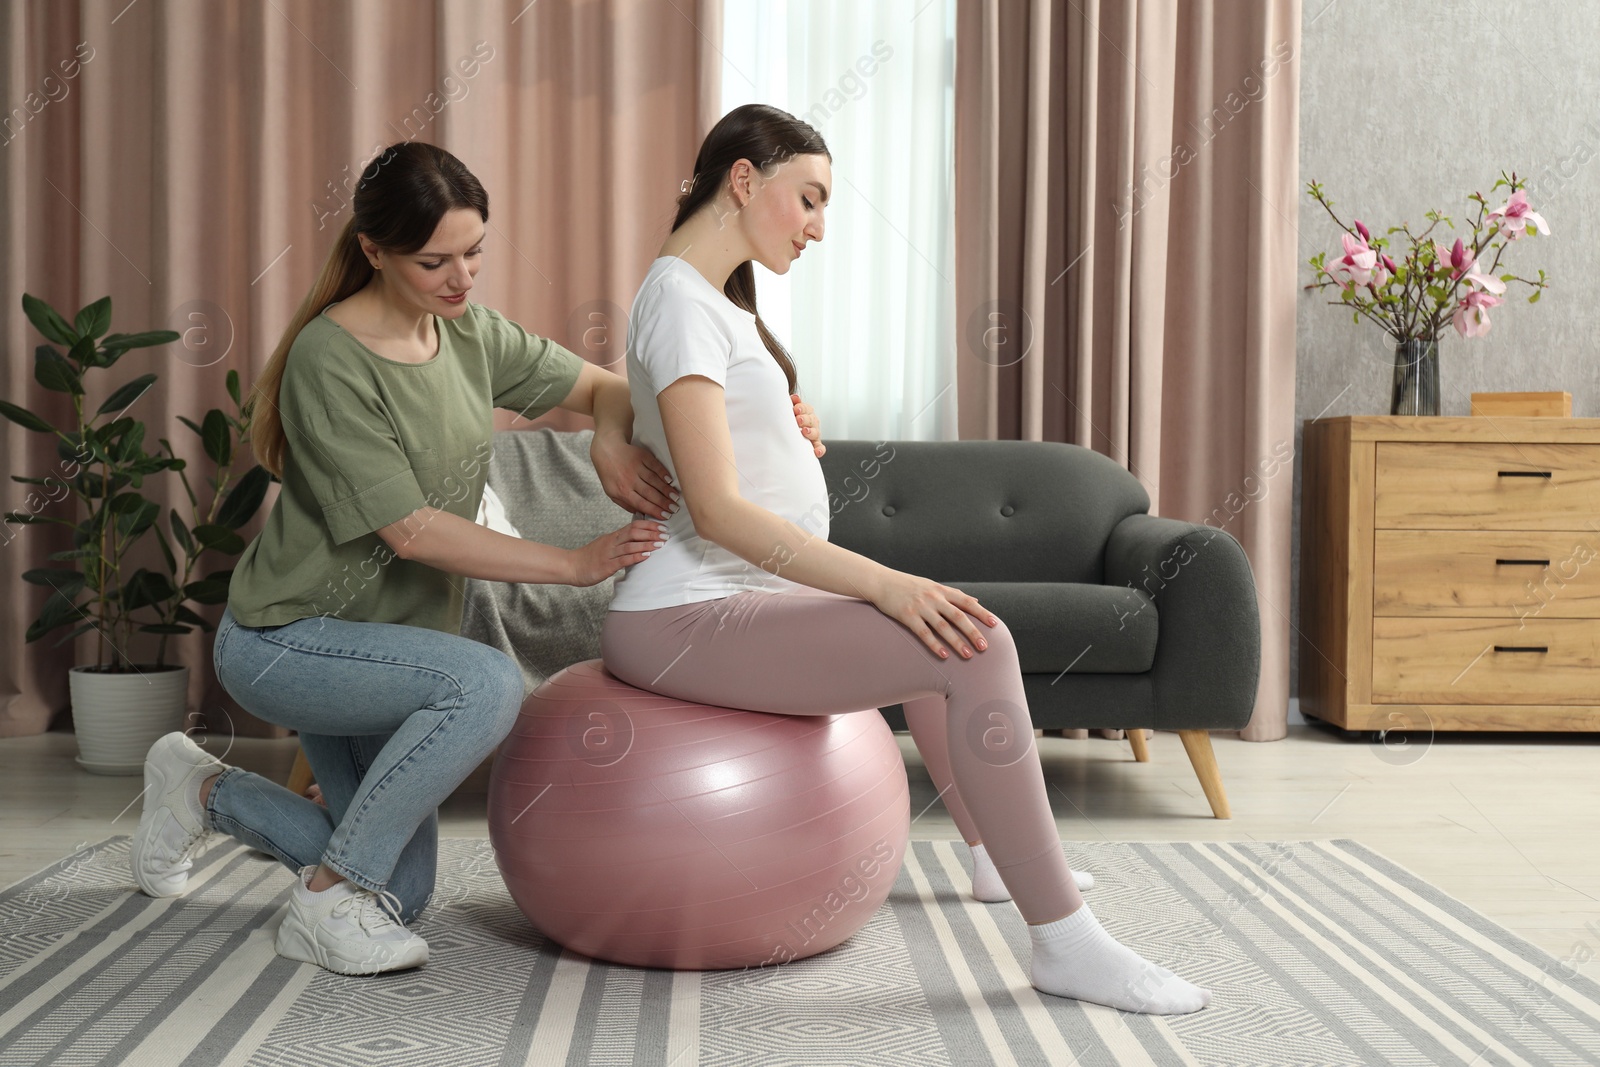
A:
[645,830]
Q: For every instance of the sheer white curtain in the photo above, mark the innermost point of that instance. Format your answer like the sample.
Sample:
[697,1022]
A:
[868,312]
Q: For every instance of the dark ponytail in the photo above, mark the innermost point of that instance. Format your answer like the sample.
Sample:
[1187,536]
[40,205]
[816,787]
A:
[767,137]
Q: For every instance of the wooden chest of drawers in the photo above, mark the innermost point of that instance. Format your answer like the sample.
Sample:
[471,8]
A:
[1450,573]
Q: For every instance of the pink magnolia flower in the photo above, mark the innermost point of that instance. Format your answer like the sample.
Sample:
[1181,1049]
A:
[1389,265]
[1362,230]
[1515,217]
[1454,259]
[1471,318]
[1485,281]
[1356,264]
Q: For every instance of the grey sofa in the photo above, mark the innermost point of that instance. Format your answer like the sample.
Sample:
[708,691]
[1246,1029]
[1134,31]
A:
[1122,620]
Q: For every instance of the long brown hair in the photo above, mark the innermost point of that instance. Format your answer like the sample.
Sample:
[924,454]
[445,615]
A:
[766,136]
[402,195]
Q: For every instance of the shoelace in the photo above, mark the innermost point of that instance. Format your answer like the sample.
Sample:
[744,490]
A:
[373,910]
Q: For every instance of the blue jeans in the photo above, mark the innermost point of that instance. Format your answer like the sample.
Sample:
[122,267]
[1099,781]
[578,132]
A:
[392,718]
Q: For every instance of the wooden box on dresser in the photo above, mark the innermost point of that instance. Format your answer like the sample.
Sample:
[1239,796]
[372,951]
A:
[1450,573]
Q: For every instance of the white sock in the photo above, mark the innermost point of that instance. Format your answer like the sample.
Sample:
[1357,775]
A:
[986,883]
[1075,957]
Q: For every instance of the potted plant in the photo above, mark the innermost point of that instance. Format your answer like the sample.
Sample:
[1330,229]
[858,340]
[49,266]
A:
[1430,286]
[120,707]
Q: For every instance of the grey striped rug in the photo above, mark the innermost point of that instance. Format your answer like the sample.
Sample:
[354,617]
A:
[1315,952]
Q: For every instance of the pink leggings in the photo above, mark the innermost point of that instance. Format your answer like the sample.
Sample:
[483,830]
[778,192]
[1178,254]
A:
[812,652]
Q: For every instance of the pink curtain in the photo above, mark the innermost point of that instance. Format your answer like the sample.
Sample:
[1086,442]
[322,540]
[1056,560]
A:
[194,160]
[1126,178]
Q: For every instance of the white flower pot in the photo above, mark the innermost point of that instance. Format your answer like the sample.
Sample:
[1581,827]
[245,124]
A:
[119,716]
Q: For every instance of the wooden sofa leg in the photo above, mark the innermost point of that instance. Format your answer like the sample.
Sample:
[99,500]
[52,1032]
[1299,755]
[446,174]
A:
[299,774]
[1141,752]
[1198,744]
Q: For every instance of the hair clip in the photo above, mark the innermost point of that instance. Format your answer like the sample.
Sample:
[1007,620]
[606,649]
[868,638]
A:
[687,182]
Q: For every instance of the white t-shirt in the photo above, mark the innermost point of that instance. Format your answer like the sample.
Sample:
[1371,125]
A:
[681,324]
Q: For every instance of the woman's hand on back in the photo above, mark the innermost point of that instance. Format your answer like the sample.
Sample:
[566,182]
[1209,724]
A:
[633,477]
[932,611]
[610,552]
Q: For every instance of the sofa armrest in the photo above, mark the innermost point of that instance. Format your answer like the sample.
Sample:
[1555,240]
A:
[1208,648]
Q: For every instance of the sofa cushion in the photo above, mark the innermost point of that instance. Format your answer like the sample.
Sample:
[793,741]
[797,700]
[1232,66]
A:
[1093,629]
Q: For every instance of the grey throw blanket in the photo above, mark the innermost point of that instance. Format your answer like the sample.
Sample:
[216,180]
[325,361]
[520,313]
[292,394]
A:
[552,495]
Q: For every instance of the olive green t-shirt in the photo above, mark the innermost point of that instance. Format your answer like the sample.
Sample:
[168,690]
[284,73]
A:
[371,440]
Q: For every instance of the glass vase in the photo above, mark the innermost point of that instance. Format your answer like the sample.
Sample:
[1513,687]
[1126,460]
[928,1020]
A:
[1416,377]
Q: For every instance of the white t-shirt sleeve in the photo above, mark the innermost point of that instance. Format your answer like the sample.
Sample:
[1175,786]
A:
[679,337]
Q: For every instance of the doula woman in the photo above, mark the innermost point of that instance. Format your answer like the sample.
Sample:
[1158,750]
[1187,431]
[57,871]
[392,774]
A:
[344,614]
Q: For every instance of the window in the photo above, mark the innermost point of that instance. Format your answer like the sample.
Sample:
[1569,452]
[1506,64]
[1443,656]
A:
[868,313]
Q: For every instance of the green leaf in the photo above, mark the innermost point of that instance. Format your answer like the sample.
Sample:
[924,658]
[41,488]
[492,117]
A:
[129,448]
[180,532]
[93,320]
[220,538]
[82,354]
[126,503]
[1507,277]
[48,321]
[148,339]
[166,551]
[244,499]
[1534,299]
[1355,316]
[58,611]
[64,581]
[75,553]
[51,370]
[183,614]
[233,385]
[207,591]
[24,417]
[120,399]
[146,588]
[216,437]
[135,523]
[29,518]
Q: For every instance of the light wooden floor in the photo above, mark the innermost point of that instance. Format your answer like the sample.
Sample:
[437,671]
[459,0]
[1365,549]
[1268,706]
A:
[1507,823]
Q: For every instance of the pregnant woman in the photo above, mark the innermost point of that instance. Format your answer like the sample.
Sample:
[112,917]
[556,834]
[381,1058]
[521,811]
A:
[344,613]
[749,606]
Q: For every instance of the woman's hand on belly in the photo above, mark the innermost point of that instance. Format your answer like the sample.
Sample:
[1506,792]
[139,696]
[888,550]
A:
[810,426]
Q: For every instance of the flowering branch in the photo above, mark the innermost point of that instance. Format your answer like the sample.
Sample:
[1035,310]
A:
[1432,284]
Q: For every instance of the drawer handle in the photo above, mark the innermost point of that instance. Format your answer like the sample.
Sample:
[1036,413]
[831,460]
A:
[1524,474]
[1522,648]
[1522,562]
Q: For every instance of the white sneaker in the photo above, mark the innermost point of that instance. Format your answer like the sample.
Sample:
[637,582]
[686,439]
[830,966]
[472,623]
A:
[347,929]
[173,822]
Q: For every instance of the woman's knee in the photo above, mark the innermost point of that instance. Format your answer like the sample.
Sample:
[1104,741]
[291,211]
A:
[998,638]
[500,684]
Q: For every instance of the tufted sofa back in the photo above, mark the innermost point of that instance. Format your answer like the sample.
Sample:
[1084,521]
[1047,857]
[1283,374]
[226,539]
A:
[979,511]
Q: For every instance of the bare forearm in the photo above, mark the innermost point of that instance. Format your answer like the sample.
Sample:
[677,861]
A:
[781,547]
[460,546]
[613,408]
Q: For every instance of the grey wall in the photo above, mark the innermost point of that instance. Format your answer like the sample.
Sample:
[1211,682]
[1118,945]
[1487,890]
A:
[1407,106]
